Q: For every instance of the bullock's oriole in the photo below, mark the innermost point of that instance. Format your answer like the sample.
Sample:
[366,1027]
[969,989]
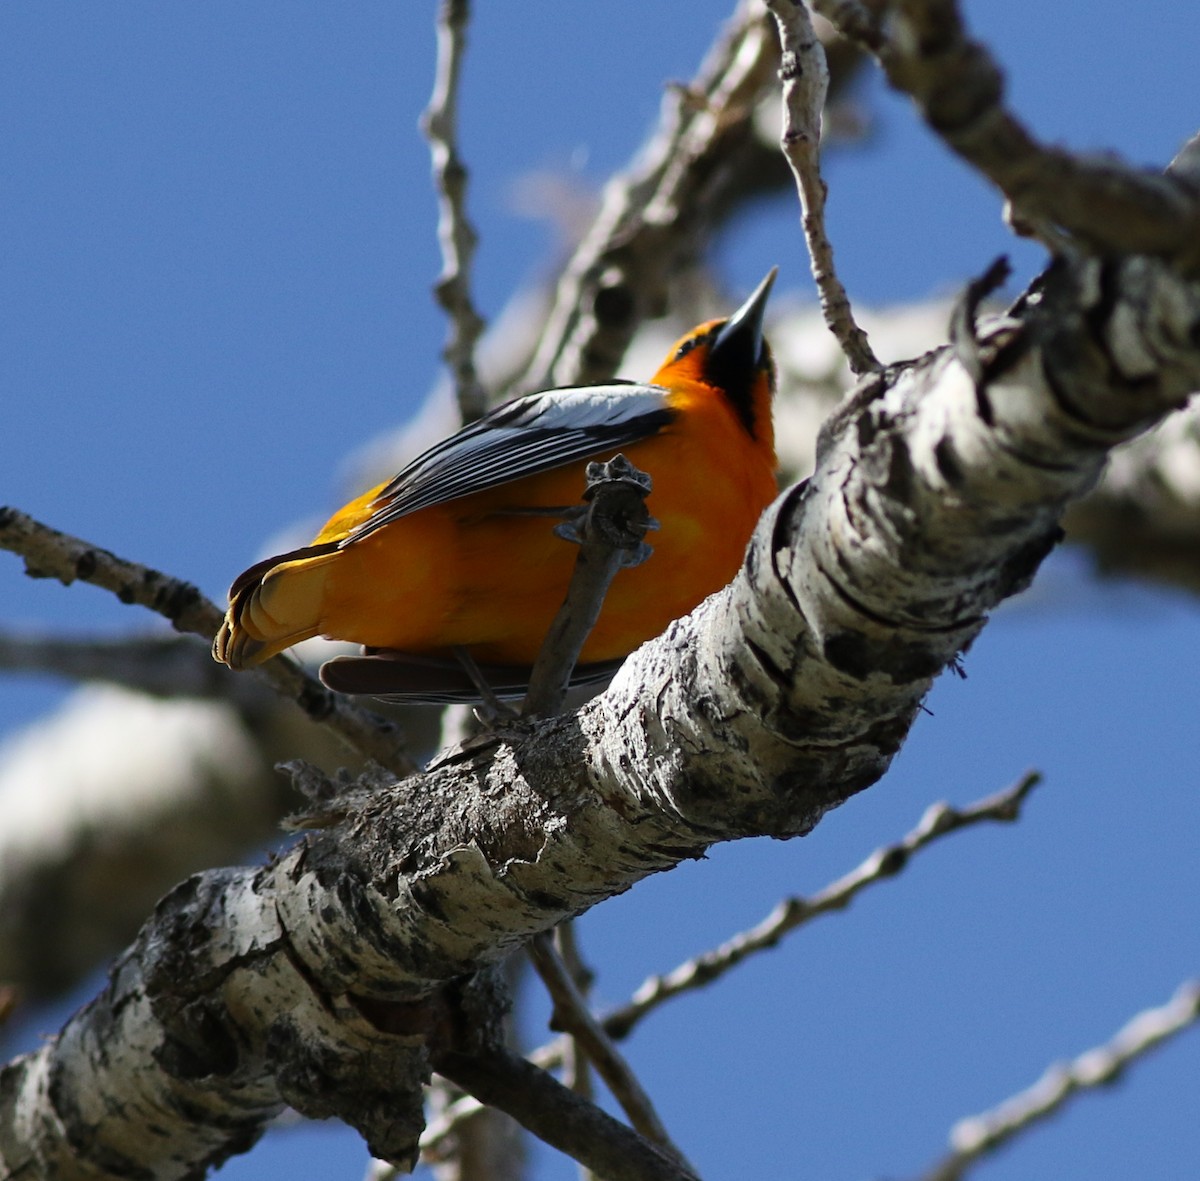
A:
[457,551]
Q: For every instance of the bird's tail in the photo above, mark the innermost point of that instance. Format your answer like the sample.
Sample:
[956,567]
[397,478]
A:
[273,605]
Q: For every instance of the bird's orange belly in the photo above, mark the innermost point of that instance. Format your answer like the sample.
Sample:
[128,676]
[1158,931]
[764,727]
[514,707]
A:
[473,573]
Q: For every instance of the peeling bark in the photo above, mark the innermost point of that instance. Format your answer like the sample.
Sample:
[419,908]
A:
[333,978]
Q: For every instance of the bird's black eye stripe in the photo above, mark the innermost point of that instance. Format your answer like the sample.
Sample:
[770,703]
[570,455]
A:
[695,341]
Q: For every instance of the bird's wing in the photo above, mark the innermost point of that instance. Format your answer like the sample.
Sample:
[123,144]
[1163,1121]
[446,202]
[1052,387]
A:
[521,438]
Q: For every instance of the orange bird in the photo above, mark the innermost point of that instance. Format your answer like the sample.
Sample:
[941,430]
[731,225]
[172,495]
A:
[457,552]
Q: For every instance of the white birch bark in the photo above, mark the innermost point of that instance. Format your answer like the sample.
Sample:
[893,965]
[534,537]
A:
[336,977]
[174,786]
[1142,519]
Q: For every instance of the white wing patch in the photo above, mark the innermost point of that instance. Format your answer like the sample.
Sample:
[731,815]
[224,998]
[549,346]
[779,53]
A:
[528,435]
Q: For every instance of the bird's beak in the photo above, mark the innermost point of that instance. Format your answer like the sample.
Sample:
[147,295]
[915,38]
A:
[739,343]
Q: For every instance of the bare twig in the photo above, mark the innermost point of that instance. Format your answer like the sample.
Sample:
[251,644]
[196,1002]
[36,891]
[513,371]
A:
[938,821]
[572,1015]
[455,232]
[1101,205]
[51,554]
[437,1131]
[805,78]
[653,213]
[562,1119]
[576,1072]
[487,1147]
[576,1068]
[975,1137]
[158,665]
[609,533]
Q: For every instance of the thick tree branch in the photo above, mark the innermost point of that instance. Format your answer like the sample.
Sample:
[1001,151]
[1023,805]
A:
[1101,205]
[1141,521]
[315,981]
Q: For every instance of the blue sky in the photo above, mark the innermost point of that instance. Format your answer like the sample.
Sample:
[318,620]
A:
[216,249]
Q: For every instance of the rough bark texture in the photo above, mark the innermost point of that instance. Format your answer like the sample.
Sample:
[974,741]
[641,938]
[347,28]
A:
[1141,520]
[661,212]
[333,978]
[174,786]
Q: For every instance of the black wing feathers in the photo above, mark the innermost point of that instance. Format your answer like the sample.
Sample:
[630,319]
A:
[523,437]
[410,678]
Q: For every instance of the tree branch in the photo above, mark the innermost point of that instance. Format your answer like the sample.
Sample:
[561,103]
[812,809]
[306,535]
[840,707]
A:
[805,78]
[1102,205]
[328,979]
[572,1015]
[321,980]
[561,1118]
[653,214]
[1141,521]
[456,235]
[609,533]
[576,1068]
[884,864]
[159,665]
[51,554]
[792,913]
[980,1135]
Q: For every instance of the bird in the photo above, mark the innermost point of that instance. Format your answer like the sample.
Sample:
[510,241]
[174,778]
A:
[451,570]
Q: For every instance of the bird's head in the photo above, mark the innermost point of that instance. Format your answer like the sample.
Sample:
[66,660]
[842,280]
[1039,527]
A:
[732,357]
